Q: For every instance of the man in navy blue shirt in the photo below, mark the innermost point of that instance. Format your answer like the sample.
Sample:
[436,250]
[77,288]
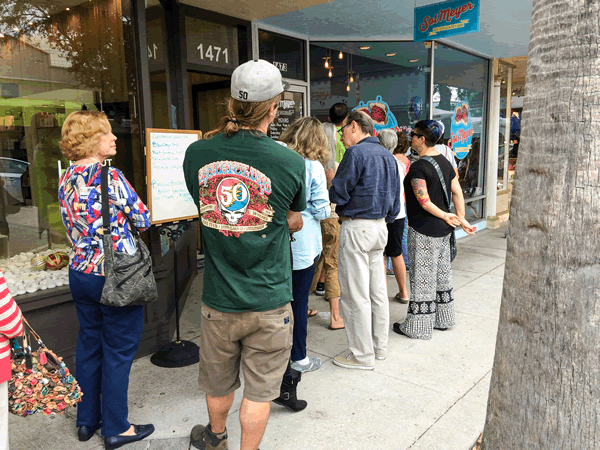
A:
[366,189]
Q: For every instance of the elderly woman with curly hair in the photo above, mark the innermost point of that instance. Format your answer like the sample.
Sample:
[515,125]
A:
[307,137]
[108,336]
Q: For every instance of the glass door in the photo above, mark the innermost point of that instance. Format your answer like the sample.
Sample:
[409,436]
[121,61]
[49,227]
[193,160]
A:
[292,107]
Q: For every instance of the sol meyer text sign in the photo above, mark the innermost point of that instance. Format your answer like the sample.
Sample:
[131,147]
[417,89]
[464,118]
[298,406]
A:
[445,19]
[168,197]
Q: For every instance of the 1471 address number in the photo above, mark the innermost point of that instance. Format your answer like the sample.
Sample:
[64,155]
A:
[213,53]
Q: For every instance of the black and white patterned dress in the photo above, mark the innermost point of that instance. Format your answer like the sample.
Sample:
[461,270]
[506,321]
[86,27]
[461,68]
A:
[431,299]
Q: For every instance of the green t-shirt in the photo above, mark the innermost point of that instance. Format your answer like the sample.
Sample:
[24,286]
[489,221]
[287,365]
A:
[243,186]
[339,147]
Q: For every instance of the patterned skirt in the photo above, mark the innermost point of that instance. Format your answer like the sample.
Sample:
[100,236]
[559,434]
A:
[431,298]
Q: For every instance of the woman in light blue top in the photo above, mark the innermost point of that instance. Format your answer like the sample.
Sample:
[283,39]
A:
[307,137]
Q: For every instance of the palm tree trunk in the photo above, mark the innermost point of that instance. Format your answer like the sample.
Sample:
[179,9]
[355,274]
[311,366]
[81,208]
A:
[545,388]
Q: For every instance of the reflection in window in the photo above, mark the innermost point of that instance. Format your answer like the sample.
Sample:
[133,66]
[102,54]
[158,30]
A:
[388,80]
[285,52]
[459,76]
[473,210]
[57,58]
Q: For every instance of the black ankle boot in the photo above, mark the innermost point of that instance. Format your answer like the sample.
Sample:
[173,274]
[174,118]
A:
[287,395]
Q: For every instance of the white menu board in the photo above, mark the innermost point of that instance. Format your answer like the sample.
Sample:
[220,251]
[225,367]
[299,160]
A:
[168,197]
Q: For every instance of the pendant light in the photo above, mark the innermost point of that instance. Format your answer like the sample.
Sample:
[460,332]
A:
[348,70]
[341,55]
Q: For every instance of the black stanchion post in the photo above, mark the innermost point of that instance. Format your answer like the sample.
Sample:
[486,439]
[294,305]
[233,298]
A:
[178,353]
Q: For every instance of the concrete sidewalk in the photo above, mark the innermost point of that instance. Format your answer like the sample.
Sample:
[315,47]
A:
[427,395]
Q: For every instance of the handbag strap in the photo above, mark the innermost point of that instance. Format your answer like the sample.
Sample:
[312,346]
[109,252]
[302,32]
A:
[436,166]
[106,207]
[28,334]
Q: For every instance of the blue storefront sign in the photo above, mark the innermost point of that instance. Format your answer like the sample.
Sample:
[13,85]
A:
[445,19]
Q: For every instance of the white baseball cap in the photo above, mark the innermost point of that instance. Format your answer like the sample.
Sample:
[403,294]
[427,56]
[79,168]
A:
[256,81]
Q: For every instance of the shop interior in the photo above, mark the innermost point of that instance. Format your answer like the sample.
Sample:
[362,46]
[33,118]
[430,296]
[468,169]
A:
[390,82]
[46,75]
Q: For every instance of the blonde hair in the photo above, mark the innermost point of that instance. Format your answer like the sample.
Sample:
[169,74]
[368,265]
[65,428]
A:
[307,137]
[81,132]
[243,114]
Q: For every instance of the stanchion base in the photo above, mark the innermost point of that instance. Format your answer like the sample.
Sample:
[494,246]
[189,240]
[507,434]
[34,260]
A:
[176,354]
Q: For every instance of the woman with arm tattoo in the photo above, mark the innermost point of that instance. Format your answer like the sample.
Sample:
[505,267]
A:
[430,225]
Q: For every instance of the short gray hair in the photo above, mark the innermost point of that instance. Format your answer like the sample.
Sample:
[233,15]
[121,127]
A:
[388,138]
[362,120]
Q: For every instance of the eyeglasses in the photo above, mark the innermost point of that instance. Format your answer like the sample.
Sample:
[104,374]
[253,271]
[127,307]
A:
[413,134]
[341,130]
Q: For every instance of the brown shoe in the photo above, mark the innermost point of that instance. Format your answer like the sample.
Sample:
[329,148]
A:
[203,438]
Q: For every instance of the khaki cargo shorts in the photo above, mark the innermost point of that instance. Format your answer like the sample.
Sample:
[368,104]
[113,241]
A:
[258,341]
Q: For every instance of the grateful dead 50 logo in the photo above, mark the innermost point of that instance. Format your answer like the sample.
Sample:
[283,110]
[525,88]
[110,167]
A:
[234,198]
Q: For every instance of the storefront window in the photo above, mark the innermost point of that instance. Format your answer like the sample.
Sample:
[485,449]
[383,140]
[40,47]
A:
[287,53]
[57,57]
[460,81]
[388,80]
[157,66]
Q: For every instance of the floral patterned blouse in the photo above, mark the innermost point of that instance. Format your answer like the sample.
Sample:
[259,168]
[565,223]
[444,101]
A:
[81,211]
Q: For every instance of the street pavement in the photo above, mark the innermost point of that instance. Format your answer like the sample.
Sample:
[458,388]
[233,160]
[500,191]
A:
[427,395]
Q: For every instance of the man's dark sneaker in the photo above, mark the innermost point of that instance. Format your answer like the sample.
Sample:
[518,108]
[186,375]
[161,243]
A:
[320,290]
[203,438]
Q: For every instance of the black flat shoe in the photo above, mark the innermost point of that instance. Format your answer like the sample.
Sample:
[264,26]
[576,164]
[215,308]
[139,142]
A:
[85,433]
[397,329]
[141,432]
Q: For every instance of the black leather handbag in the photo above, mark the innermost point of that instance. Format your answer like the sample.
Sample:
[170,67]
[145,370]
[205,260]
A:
[129,278]
[434,163]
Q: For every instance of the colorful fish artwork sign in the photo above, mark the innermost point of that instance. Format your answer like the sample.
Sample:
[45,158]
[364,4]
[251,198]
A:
[461,135]
[380,112]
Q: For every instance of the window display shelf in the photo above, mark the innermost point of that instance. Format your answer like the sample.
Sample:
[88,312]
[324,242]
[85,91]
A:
[28,273]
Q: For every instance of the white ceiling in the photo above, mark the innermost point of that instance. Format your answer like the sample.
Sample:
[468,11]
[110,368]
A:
[504,24]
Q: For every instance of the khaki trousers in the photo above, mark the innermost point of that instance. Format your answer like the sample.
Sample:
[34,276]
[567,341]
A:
[330,230]
[364,302]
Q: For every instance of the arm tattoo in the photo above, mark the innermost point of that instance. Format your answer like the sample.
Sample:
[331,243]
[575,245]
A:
[420,189]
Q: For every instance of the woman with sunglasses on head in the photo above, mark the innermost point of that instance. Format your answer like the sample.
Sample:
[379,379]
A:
[430,226]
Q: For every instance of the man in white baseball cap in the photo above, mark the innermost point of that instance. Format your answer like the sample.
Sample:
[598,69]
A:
[250,192]
[256,81]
